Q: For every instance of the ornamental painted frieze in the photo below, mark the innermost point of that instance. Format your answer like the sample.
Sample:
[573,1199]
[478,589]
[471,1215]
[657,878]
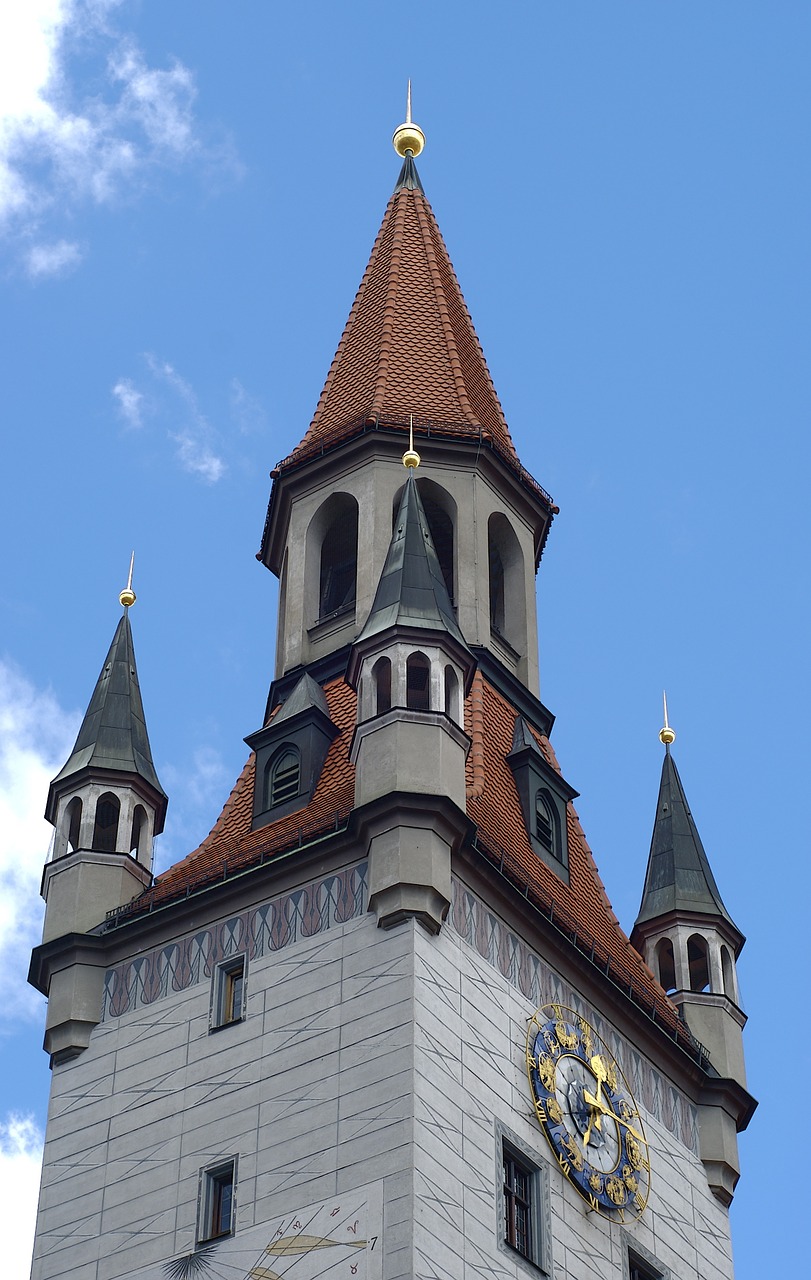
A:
[290,918]
[509,954]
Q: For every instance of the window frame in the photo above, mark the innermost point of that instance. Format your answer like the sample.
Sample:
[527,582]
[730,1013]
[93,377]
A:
[213,1179]
[230,977]
[537,1260]
[639,1262]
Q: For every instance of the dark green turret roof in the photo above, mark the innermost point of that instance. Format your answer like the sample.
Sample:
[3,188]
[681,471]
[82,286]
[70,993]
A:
[678,879]
[412,591]
[113,735]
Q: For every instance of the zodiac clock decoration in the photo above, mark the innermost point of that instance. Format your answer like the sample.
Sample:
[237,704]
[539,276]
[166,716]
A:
[588,1113]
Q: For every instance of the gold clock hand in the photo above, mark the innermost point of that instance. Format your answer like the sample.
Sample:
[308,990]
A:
[606,1111]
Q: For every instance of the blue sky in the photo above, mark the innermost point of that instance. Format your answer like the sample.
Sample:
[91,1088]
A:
[188,196]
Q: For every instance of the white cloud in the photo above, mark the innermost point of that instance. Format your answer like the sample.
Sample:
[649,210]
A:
[194,437]
[36,736]
[20,1164]
[63,145]
[130,401]
[52,259]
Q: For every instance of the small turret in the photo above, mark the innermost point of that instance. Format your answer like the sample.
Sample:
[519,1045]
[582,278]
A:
[106,805]
[690,941]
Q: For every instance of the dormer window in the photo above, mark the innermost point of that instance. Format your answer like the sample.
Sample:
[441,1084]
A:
[544,795]
[284,776]
[544,824]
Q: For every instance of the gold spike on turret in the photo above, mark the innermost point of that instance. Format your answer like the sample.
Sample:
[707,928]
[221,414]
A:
[411,458]
[408,137]
[128,597]
[666,734]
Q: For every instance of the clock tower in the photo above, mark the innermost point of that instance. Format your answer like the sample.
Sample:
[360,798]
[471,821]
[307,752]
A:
[383,1021]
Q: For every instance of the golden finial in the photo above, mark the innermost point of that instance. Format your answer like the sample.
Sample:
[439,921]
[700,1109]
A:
[666,734]
[408,136]
[128,596]
[411,458]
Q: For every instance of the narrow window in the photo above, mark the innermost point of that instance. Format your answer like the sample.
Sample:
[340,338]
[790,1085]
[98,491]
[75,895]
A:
[728,973]
[441,527]
[228,996]
[545,825]
[698,963]
[105,828]
[666,965]
[418,672]
[518,1225]
[139,831]
[496,566]
[284,776]
[381,672]
[452,694]
[339,557]
[217,1201]
[73,817]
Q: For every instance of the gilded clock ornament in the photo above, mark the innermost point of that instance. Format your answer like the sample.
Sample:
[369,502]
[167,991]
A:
[588,1113]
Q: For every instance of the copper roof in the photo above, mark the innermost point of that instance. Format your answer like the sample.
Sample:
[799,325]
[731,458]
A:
[409,345]
[580,909]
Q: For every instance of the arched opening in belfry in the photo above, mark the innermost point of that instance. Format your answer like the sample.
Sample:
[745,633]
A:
[105,827]
[140,831]
[505,565]
[440,512]
[381,679]
[728,973]
[418,682]
[452,708]
[73,823]
[698,963]
[666,964]
[338,570]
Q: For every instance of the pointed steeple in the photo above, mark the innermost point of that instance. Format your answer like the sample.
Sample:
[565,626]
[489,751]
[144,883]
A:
[113,735]
[409,345]
[412,590]
[679,878]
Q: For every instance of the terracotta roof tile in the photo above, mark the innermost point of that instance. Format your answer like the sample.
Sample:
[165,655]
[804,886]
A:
[408,346]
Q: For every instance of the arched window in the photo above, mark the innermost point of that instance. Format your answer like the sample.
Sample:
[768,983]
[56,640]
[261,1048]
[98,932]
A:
[140,828]
[698,963]
[728,973]
[73,823]
[440,512]
[381,675]
[282,777]
[418,682]
[339,559]
[666,964]
[452,695]
[105,828]
[506,582]
[545,824]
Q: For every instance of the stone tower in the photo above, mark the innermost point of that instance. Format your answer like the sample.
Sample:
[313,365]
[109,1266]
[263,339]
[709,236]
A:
[383,1022]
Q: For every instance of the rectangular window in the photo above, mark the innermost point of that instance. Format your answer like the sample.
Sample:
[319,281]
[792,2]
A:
[228,994]
[217,1203]
[639,1270]
[517,1205]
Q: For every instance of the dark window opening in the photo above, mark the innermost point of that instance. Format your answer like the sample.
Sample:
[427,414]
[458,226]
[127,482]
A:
[139,830]
[496,568]
[639,1270]
[698,963]
[339,559]
[544,825]
[284,779]
[728,973]
[74,820]
[451,694]
[381,673]
[518,1205]
[217,1202]
[105,829]
[418,672]
[666,964]
[441,527]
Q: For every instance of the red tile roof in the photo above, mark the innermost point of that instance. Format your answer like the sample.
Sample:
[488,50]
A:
[409,346]
[580,909]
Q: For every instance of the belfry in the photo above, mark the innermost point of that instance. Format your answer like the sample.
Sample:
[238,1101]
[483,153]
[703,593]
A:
[383,1022]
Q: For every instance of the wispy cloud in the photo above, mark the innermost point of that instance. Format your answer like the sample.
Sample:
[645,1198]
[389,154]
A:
[20,1163]
[194,437]
[130,402]
[36,735]
[63,146]
[52,259]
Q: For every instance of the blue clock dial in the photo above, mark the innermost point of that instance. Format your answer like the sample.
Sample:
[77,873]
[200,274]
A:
[588,1113]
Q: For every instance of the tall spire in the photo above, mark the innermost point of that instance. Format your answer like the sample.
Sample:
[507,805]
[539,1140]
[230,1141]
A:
[678,878]
[409,345]
[113,734]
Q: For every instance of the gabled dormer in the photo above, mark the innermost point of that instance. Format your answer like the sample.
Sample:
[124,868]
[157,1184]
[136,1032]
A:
[544,795]
[290,753]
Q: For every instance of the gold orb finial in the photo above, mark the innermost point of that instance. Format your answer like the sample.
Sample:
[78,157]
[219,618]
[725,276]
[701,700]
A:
[408,136]
[411,458]
[666,734]
[127,597]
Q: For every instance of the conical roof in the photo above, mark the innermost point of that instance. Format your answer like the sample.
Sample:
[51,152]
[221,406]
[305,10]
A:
[678,878]
[412,591]
[113,734]
[409,346]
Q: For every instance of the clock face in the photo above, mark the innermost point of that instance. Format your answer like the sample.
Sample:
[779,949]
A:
[588,1113]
